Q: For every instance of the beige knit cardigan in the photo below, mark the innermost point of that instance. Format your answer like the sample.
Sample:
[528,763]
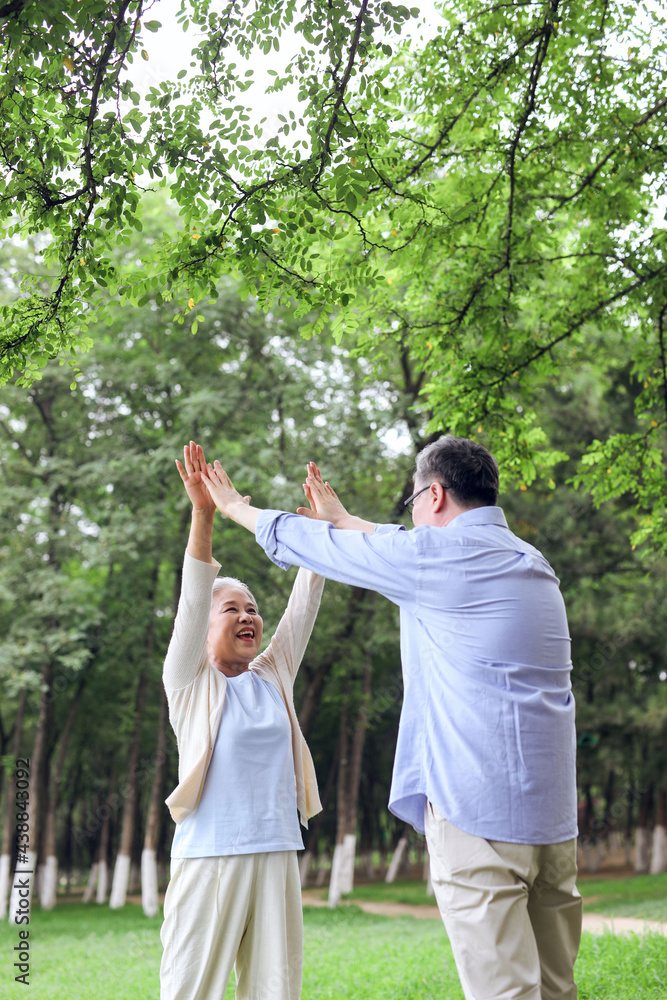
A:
[196,690]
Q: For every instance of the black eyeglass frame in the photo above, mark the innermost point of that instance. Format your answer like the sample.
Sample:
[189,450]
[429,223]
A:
[410,500]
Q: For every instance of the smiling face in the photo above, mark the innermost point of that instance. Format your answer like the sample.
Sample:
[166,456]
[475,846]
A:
[234,631]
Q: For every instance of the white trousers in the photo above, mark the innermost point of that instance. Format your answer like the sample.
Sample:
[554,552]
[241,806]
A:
[241,911]
[512,912]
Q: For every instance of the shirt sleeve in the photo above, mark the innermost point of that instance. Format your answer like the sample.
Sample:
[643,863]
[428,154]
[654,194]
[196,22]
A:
[385,561]
[290,639]
[186,656]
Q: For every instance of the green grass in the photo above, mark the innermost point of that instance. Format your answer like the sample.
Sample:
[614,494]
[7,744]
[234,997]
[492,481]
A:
[644,896]
[92,953]
[86,953]
[403,891]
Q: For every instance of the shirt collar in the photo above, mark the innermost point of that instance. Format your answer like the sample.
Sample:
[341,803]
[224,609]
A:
[480,515]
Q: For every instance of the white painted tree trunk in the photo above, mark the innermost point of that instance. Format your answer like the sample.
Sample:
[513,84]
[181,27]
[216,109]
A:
[149,899]
[659,855]
[334,880]
[19,902]
[342,869]
[304,866]
[102,881]
[121,878]
[347,871]
[89,891]
[396,860]
[4,885]
[48,888]
[642,848]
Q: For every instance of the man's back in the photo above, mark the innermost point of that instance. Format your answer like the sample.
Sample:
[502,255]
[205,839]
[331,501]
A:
[488,713]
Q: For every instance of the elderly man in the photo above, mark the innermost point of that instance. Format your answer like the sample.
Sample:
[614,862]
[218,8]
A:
[485,758]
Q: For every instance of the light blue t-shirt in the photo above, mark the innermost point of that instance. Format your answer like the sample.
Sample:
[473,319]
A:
[248,803]
[487,725]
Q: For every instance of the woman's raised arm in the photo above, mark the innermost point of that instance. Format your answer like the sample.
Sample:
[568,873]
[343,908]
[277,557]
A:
[193,473]
[203,508]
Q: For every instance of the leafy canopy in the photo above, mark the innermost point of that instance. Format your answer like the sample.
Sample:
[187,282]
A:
[488,196]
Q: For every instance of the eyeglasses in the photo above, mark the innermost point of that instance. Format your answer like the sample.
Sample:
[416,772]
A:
[408,503]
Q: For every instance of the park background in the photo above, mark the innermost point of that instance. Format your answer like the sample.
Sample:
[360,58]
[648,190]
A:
[464,233]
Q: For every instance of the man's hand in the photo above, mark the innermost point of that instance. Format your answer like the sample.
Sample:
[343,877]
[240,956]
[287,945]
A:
[221,491]
[325,505]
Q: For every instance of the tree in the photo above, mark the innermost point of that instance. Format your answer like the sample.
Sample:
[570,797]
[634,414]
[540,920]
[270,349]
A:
[487,196]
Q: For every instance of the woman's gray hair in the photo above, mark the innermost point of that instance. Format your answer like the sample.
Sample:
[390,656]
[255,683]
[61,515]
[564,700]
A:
[230,581]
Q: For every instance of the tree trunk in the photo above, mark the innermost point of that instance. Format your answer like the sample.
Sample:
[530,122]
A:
[629,823]
[68,841]
[10,809]
[149,879]
[398,858]
[89,891]
[337,873]
[609,824]
[121,872]
[49,882]
[659,853]
[103,852]
[314,832]
[642,837]
[322,868]
[25,869]
[589,839]
[356,611]
[349,777]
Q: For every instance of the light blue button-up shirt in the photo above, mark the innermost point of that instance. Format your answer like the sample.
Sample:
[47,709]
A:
[487,724]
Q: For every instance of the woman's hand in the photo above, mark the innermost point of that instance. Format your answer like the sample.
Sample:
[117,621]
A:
[324,504]
[221,490]
[193,478]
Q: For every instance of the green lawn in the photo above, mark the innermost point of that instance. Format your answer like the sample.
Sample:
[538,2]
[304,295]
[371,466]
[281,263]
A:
[91,953]
[643,896]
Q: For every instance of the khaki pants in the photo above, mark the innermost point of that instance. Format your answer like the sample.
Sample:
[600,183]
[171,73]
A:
[242,911]
[512,912]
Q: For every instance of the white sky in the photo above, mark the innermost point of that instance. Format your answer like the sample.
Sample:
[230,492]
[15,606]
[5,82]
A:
[169,52]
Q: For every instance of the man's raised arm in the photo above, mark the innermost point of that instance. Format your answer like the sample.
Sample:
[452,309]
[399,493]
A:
[380,558]
[325,505]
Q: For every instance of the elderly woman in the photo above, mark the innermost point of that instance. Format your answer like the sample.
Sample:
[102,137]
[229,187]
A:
[245,778]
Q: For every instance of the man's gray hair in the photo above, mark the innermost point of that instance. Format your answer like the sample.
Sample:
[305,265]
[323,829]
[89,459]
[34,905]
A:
[231,581]
[465,467]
